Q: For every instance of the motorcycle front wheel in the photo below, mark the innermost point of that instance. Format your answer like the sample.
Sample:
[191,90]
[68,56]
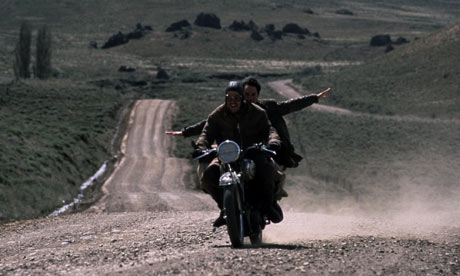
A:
[234,218]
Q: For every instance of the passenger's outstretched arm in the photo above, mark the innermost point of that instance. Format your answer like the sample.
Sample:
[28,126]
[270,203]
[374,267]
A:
[300,103]
[323,93]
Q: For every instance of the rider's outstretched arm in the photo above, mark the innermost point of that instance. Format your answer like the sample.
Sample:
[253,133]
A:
[188,131]
[193,130]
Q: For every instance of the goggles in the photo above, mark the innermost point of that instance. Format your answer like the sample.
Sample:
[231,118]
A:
[233,98]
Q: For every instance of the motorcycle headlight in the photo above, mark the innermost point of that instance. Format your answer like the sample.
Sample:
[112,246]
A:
[228,151]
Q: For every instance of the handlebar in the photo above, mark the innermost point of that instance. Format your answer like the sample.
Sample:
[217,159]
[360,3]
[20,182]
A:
[261,147]
[205,153]
[258,146]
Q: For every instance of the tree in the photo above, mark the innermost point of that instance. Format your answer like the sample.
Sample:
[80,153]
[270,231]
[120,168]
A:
[22,52]
[43,58]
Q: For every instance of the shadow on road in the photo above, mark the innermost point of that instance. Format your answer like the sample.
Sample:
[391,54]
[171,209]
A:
[268,246]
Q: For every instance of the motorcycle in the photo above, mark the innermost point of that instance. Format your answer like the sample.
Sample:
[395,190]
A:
[243,217]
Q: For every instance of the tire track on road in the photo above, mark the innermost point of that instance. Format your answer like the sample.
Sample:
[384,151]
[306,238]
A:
[147,178]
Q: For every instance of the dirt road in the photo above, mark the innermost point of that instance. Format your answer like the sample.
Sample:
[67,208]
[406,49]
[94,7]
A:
[149,223]
[148,178]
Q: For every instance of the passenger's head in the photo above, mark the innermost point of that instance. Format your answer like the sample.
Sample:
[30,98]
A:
[233,96]
[251,89]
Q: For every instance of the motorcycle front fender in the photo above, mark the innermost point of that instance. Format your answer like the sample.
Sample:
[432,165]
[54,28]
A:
[226,180]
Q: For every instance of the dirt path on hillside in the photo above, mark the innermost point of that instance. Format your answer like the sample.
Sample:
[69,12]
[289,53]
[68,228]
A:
[149,223]
[148,178]
[285,88]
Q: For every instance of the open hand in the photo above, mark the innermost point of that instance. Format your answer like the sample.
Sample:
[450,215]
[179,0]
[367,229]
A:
[323,94]
[174,133]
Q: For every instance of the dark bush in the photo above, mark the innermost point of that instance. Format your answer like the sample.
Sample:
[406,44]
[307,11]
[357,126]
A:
[162,74]
[400,40]
[255,35]
[177,26]
[293,28]
[208,20]
[380,40]
[120,38]
[272,33]
[115,40]
[240,26]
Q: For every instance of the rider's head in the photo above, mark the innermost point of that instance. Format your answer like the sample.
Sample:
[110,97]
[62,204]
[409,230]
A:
[251,89]
[233,96]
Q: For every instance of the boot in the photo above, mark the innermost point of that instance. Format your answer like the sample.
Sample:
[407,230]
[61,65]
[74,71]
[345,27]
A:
[220,220]
[275,214]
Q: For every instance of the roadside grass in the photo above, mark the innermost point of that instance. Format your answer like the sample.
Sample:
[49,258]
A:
[55,134]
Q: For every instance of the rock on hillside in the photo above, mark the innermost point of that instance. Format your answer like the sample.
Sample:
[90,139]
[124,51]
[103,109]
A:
[292,28]
[120,38]
[208,20]
[178,26]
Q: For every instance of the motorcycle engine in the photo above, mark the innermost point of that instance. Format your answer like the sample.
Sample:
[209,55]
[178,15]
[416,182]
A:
[249,169]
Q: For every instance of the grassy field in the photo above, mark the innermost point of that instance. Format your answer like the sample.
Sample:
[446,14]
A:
[56,133]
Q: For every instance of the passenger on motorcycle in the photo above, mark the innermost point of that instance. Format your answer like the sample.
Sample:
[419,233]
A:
[246,124]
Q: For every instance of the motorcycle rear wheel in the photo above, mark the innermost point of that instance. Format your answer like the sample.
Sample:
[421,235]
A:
[234,219]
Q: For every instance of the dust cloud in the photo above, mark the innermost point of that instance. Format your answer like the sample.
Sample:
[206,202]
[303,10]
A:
[416,208]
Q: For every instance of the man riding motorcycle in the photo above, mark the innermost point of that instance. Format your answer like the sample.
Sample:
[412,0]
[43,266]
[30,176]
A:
[286,156]
[246,124]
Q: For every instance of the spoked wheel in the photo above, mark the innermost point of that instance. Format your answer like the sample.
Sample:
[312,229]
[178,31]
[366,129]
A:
[234,219]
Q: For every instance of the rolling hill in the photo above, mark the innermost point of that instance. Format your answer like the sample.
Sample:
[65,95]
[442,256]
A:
[419,79]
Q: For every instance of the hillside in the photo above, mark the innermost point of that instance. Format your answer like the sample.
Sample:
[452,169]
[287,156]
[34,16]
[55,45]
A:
[419,79]
[398,150]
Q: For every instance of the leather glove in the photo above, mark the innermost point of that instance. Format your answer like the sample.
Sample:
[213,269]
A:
[196,153]
[273,146]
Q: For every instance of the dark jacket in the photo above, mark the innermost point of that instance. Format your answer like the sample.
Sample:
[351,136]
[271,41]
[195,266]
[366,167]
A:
[247,127]
[193,130]
[286,155]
